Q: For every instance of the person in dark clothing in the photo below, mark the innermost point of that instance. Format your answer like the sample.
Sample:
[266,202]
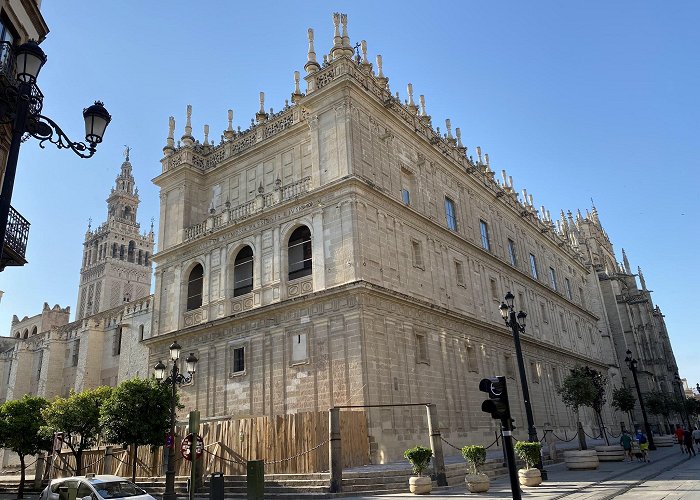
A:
[688,442]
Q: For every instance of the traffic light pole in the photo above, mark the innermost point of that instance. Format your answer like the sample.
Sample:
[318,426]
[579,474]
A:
[510,455]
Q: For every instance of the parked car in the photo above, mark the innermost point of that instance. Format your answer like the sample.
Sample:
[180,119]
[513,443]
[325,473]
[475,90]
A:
[94,487]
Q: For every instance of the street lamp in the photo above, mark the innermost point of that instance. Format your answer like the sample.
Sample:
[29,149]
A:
[174,379]
[632,365]
[684,412]
[21,102]
[516,322]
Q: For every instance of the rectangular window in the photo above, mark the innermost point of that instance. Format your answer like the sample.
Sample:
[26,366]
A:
[76,352]
[238,362]
[509,369]
[450,214]
[543,312]
[406,196]
[459,273]
[494,289]
[472,364]
[484,228]
[553,278]
[417,254]
[533,266]
[563,323]
[535,372]
[578,329]
[117,349]
[555,377]
[567,283]
[299,347]
[511,253]
[422,348]
[407,185]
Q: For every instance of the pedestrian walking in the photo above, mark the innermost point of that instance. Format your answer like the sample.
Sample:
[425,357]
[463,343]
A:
[626,443]
[643,445]
[688,442]
[696,436]
[680,436]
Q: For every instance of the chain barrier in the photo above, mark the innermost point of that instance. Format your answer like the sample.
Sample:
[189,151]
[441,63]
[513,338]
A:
[450,444]
[235,461]
[612,435]
[592,437]
[94,463]
[138,465]
[26,466]
[298,454]
[563,440]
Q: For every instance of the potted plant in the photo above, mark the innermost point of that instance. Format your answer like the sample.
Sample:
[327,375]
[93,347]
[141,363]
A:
[530,454]
[419,457]
[477,482]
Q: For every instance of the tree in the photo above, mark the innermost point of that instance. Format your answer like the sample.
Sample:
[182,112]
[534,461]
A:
[585,386]
[78,417]
[137,413]
[660,404]
[623,400]
[20,424]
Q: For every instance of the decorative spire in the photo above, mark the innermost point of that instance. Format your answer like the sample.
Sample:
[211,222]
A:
[594,214]
[486,159]
[170,141]
[450,139]
[126,152]
[296,95]
[626,262]
[311,65]
[478,153]
[229,132]
[261,116]
[641,279]
[460,146]
[381,79]
[411,104]
[206,135]
[337,49]
[187,138]
[347,48]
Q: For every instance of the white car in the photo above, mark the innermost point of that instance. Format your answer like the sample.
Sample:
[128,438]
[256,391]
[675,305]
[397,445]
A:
[94,487]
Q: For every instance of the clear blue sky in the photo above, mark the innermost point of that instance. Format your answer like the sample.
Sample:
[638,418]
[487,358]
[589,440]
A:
[576,100]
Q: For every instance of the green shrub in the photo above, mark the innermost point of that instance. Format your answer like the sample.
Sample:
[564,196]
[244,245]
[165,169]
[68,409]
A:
[528,453]
[475,457]
[419,458]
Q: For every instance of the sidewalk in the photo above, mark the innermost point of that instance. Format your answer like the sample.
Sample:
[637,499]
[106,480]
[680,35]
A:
[670,472]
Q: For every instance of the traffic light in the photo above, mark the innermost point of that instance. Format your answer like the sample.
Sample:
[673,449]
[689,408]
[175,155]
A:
[497,404]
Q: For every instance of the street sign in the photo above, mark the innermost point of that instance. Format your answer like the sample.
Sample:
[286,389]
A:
[187,444]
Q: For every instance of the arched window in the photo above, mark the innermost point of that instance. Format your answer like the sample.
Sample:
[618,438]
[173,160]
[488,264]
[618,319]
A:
[17,334]
[25,334]
[194,287]
[145,260]
[34,331]
[127,213]
[132,247]
[299,253]
[140,257]
[121,252]
[243,272]
[115,249]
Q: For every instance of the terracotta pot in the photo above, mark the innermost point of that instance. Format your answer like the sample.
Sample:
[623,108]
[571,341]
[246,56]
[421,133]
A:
[477,483]
[581,459]
[530,477]
[612,453]
[420,485]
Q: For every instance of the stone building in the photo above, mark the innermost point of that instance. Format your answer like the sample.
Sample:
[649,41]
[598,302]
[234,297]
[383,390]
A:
[343,251]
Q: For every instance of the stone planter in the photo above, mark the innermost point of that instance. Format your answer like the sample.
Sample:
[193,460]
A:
[612,453]
[420,485]
[477,483]
[665,441]
[581,459]
[530,477]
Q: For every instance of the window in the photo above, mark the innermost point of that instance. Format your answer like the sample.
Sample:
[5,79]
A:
[121,252]
[6,36]
[535,372]
[567,283]
[485,243]
[562,321]
[533,266]
[76,352]
[299,348]
[583,297]
[450,214]
[472,364]
[494,289]
[145,260]
[459,273]
[422,348]
[117,350]
[130,251]
[543,312]
[299,253]
[406,196]
[553,278]
[417,254]
[140,332]
[578,329]
[194,288]
[407,185]
[511,253]
[555,377]
[509,369]
[238,363]
[243,272]
[115,250]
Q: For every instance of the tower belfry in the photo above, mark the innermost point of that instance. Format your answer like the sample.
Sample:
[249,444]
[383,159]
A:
[116,255]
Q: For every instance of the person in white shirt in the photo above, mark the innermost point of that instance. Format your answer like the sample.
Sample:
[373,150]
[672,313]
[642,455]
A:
[696,435]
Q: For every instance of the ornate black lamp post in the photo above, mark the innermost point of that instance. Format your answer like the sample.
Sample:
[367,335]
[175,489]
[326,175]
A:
[517,325]
[681,394]
[21,102]
[632,365]
[174,379]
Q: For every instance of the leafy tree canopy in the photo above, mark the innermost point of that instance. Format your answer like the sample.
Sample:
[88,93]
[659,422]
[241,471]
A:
[623,399]
[658,403]
[584,386]
[20,421]
[137,412]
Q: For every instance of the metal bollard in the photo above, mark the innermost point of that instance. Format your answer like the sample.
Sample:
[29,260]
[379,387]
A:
[216,486]
[256,480]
